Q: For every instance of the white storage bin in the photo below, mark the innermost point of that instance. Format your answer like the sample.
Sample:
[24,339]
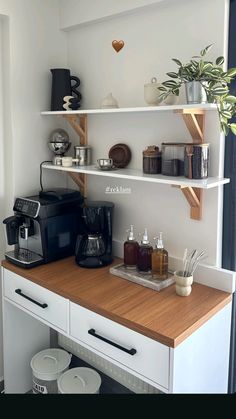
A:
[79,380]
[47,366]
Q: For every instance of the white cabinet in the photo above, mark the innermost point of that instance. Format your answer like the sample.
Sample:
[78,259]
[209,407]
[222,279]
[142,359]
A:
[198,365]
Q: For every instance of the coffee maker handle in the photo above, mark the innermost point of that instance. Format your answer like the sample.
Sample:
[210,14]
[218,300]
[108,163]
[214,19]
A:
[109,231]
[12,229]
[78,245]
[109,223]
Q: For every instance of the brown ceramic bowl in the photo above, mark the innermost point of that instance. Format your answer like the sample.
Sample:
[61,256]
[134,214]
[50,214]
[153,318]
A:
[120,154]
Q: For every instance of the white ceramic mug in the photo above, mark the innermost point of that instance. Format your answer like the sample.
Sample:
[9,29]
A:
[67,161]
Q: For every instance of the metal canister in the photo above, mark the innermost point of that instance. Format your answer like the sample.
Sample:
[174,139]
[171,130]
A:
[83,155]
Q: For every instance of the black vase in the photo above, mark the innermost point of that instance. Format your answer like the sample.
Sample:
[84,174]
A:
[62,86]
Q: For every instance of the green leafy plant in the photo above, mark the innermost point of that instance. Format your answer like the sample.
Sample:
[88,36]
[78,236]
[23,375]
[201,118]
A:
[213,79]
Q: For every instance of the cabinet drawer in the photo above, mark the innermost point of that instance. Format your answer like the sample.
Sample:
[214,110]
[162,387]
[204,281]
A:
[38,300]
[140,353]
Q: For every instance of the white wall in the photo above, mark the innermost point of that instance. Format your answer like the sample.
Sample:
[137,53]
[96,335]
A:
[32,45]
[152,37]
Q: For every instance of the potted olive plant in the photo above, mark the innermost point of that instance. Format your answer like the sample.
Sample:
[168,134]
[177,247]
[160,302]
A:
[205,82]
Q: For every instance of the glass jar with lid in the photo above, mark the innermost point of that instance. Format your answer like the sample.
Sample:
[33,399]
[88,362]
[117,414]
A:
[173,159]
[196,161]
[152,160]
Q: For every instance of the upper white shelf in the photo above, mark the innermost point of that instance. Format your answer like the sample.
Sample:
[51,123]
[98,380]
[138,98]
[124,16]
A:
[75,18]
[132,174]
[160,108]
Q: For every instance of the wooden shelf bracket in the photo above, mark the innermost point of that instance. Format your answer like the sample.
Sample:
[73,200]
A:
[80,181]
[194,197]
[195,122]
[80,124]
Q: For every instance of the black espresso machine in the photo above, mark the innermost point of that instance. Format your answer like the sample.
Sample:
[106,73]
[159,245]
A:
[44,227]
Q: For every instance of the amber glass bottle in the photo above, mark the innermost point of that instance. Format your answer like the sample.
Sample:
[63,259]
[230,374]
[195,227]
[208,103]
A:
[160,260]
[144,263]
[131,250]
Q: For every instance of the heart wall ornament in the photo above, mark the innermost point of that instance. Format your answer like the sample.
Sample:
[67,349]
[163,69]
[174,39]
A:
[118,45]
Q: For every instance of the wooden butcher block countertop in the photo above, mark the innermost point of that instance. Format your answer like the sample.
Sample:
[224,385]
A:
[163,316]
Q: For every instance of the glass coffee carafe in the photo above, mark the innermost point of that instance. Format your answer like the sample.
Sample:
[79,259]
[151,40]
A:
[94,243]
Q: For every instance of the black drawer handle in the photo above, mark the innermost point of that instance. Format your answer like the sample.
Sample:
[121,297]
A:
[19,292]
[128,351]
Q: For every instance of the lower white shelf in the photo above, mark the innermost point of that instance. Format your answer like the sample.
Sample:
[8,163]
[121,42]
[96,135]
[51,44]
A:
[134,174]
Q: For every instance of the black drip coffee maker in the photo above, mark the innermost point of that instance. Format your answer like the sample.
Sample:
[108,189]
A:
[94,243]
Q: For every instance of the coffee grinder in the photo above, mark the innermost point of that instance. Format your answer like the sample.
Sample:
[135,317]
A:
[94,243]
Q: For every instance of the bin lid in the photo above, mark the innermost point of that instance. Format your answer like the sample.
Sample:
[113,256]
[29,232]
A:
[79,380]
[48,364]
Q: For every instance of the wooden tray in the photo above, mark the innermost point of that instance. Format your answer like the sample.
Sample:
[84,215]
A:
[144,280]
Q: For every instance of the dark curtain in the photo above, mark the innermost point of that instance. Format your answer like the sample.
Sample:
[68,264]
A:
[229,214]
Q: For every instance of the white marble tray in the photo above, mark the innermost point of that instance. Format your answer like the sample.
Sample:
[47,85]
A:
[144,280]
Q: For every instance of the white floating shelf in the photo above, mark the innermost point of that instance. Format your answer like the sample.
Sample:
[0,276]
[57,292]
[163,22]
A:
[160,108]
[132,174]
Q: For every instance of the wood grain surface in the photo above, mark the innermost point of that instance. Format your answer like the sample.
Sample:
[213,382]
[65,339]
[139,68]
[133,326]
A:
[163,316]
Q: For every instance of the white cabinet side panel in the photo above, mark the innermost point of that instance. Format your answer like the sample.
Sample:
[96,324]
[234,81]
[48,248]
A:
[23,337]
[201,362]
